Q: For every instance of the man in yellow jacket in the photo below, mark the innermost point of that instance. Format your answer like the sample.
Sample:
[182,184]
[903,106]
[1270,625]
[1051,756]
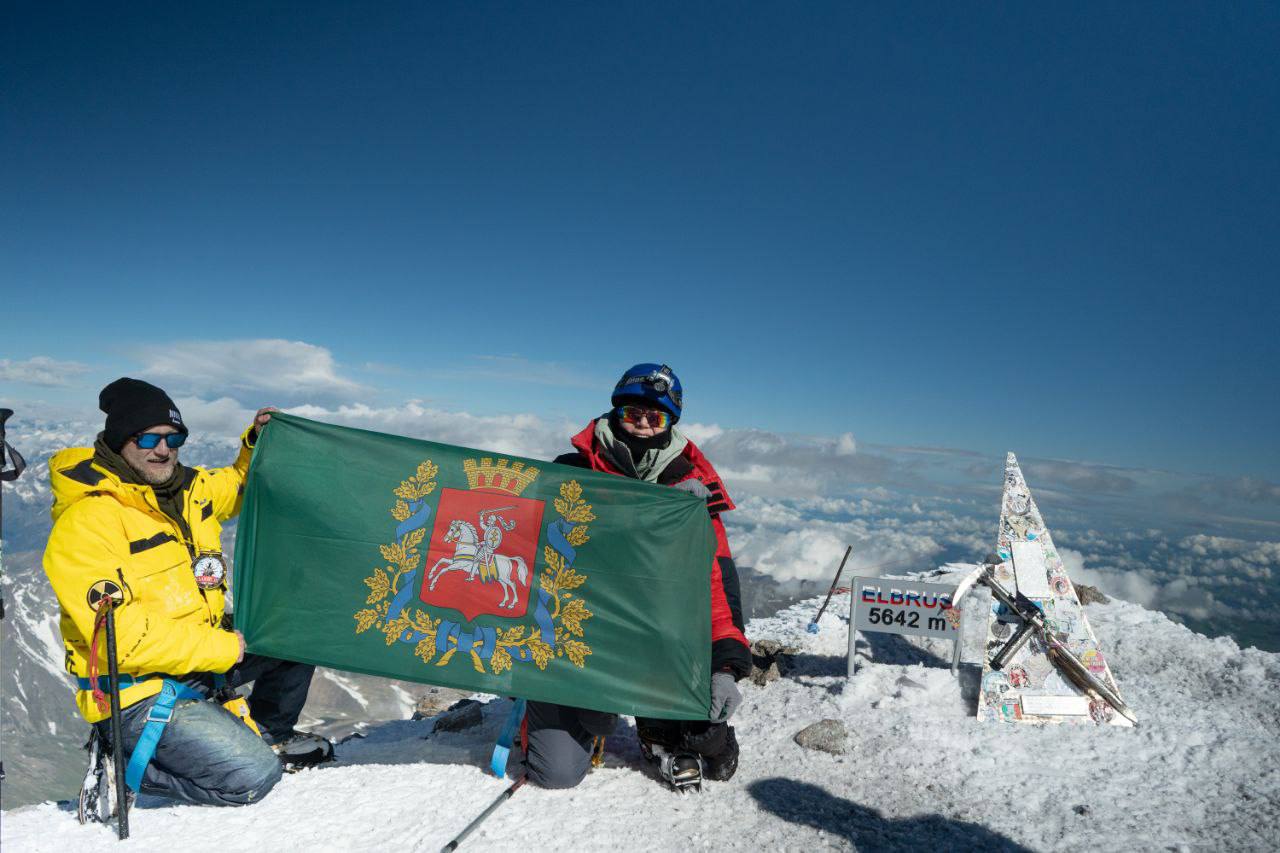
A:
[131,522]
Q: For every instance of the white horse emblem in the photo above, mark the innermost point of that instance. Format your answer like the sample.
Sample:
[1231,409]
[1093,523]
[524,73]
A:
[474,556]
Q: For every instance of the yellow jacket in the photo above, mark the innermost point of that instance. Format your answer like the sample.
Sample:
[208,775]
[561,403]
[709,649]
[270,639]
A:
[108,530]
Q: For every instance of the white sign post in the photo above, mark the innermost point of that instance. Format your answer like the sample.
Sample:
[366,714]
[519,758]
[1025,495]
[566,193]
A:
[904,607]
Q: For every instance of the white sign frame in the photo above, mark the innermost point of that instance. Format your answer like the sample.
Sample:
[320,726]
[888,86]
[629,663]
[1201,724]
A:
[915,608]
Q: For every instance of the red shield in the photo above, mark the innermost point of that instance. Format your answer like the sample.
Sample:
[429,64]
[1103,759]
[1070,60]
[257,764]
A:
[468,573]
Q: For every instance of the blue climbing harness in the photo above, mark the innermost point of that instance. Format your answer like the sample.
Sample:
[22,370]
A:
[158,716]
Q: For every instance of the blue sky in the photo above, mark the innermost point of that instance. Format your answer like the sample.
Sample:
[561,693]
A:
[1047,230]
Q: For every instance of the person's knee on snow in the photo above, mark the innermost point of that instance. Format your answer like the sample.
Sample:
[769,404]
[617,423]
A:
[209,757]
[554,758]
[558,769]
[252,779]
[559,742]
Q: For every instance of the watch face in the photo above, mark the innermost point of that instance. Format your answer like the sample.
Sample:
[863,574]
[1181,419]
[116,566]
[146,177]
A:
[210,571]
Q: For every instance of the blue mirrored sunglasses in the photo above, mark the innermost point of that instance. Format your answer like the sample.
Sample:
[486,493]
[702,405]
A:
[151,440]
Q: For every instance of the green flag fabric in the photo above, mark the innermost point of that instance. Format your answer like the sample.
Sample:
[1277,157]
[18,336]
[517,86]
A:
[409,559]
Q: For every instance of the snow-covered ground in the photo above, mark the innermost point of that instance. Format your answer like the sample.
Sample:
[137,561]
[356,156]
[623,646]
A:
[1200,772]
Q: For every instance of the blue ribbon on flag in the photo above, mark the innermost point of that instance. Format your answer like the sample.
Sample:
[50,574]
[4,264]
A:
[421,512]
[482,635]
[557,537]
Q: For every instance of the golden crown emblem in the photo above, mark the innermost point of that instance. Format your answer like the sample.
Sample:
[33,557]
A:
[503,475]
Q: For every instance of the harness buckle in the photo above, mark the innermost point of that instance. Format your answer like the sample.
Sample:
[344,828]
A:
[166,709]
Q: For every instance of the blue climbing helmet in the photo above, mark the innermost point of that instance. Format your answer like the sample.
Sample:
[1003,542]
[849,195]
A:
[655,383]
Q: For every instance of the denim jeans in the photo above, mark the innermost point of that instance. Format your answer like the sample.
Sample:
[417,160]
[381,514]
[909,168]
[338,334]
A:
[207,756]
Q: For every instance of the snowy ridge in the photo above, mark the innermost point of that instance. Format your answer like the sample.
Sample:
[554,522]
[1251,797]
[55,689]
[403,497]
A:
[921,773]
[43,644]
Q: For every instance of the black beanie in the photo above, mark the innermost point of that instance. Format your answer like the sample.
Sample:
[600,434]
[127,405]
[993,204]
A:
[133,406]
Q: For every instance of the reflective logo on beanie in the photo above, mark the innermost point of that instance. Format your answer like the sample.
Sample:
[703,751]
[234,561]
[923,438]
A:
[175,417]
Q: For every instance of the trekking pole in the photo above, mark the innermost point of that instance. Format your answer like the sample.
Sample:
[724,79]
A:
[7,454]
[471,827]
[117,744]
[813,624]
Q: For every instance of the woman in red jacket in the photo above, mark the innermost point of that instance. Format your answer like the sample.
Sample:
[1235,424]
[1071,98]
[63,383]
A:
[638,438]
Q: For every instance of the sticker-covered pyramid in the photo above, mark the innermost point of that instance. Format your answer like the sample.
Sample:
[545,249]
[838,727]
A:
[1030,688]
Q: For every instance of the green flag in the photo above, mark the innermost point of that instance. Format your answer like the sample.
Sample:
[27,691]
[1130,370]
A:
[409,559]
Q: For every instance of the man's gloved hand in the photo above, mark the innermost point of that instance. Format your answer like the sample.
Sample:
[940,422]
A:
[725,697]
[694,487]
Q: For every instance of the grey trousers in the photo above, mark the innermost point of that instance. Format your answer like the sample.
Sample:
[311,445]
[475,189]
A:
[560,741]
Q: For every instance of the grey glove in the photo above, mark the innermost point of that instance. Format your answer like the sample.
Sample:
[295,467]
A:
[725,697]
[694,487]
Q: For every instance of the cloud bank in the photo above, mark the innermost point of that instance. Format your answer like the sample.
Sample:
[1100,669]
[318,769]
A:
[1163,540]
[265,370]
[41,370]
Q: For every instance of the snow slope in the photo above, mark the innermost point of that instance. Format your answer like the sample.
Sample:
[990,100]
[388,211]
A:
[1199,772]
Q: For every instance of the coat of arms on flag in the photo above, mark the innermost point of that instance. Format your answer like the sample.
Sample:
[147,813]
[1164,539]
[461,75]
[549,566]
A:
[469,586]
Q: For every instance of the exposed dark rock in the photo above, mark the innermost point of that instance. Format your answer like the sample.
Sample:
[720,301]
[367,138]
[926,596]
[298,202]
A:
[435,700]
[770,660]
[463,715]
[1090,595]
[826,735]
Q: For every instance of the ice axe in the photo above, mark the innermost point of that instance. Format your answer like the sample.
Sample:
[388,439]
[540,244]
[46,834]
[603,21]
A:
[812,628]
[1033,622]
[117,737]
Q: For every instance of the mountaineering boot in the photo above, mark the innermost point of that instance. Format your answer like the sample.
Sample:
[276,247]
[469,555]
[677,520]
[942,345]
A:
[97,801]
[681,770]
[298,750]
[92,804]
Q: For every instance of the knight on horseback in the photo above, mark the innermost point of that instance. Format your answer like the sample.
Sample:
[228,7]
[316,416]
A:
[491,526]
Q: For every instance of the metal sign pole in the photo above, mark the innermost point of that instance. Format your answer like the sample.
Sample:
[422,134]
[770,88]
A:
[955,659]
[853,633]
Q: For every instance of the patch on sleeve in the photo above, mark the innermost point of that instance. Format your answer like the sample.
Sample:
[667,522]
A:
[102,589]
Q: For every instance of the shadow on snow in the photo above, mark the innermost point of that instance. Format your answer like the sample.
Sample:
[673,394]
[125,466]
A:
[866,828]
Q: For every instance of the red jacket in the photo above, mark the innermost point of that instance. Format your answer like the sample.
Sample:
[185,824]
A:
[729,649]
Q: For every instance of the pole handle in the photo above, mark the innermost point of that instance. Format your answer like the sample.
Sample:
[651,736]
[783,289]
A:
[117,741]
[1016,642]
